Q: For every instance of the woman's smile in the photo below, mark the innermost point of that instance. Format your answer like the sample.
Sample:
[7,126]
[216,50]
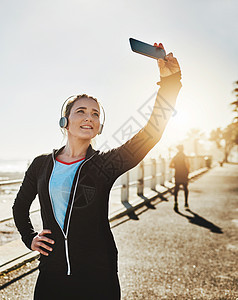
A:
[86,127]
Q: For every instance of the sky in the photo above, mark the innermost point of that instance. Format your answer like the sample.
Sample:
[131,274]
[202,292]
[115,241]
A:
[52,49]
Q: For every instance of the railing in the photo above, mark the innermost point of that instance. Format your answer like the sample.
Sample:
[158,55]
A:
[197,162]
[151,173]
[9,182]
[147,174]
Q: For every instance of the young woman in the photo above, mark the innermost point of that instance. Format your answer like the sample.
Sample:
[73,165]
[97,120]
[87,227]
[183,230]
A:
[78,254]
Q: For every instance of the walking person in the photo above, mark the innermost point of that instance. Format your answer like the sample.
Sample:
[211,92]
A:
[181,165]
[78,255]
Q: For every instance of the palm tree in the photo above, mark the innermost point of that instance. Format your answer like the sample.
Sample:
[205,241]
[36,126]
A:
[230,135]
[235,103]
[216,136]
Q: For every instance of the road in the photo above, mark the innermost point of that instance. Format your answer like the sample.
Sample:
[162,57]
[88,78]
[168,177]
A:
[163,254]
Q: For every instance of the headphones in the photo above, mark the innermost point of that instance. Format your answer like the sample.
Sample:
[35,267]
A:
[63,122]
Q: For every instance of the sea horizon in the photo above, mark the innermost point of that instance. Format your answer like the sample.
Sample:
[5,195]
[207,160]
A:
[14,165]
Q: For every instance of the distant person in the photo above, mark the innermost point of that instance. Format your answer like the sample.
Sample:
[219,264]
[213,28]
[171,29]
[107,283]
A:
[181,165]
[78,254]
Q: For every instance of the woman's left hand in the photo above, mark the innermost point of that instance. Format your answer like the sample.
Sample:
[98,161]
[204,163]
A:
[168,66]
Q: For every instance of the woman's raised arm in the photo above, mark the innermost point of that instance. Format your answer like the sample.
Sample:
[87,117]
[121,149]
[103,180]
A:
[128,155]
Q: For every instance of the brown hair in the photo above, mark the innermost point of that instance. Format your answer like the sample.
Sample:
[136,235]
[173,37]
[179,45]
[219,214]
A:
[74,99]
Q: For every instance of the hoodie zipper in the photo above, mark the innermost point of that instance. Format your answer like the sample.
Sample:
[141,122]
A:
[71,207]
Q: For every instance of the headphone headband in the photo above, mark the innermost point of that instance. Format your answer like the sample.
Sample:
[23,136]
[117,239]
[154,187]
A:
[63,122]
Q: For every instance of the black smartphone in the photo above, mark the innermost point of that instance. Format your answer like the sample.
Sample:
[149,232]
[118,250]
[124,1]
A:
[147,49]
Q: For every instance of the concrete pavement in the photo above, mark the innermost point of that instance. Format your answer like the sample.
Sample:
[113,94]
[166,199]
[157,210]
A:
[186,255]
[165,254]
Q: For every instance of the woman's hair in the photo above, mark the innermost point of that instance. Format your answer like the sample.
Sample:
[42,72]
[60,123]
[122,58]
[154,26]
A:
[70,103]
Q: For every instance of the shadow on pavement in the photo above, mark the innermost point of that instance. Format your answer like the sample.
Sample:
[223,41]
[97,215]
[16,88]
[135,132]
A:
[18,278]
[147,205]
[162,198]
[133,216]
[200,221]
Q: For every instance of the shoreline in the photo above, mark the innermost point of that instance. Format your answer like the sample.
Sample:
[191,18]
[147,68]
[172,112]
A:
[11,175]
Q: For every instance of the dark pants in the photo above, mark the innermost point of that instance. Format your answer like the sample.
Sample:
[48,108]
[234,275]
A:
[105,287]
[176,189]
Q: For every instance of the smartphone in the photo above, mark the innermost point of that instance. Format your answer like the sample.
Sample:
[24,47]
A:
[146,49]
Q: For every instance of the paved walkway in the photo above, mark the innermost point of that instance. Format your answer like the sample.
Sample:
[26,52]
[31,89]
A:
[165,254]
[186,255]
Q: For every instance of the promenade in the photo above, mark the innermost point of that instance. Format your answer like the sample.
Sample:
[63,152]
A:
[163,254]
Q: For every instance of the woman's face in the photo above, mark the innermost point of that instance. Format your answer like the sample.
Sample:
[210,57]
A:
[84,119]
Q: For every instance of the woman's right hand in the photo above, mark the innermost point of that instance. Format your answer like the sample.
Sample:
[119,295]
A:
[169,65]
[39,240]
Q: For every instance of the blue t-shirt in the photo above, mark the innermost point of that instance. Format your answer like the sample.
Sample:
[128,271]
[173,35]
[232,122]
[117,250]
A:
[60,186]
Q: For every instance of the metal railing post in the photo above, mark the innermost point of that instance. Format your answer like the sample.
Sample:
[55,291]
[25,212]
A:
[191,164]
[168,172]
[125,187]
[195,163]
[163,171]
[153,174]
[140,178]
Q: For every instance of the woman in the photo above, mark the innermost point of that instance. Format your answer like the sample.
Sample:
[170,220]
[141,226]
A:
[78,254]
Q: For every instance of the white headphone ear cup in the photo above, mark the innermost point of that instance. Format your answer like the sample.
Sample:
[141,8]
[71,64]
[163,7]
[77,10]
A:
[100,129]
[63,122]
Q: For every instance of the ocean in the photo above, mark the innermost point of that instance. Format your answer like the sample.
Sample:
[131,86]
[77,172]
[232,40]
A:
[13,168]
